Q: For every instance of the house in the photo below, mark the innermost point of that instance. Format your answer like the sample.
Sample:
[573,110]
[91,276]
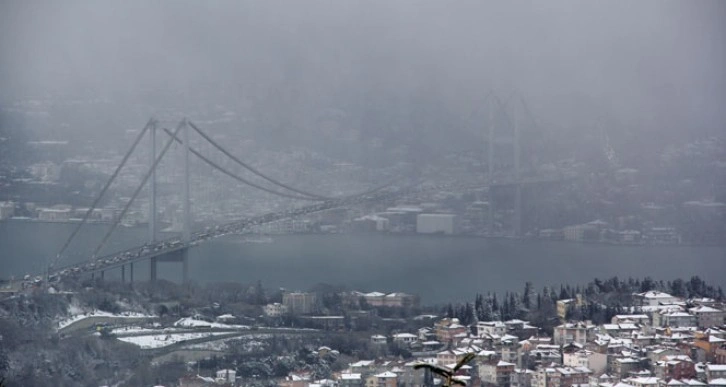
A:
[673,319]
[447,329]
[571,376]
[715,371]
[641,319]
[654,298]
[496,372]
[384,379]
[490,328]
[596,362]
[378,340]
[643,381]
[707,316]
[521,377]
[299,303]
[622,367]
[404,338]
[578,332]
[621,330]
[675,367]
[350,380]
[274,310]
[450,356]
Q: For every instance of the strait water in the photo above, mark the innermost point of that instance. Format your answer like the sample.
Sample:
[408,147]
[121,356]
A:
[439,269]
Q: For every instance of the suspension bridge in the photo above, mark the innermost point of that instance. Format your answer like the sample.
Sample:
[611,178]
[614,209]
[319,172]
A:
[176,249]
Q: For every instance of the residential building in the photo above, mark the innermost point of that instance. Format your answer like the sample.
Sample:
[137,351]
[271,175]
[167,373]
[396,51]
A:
[641,381]
[299,303]
[7,210]
[404,338]
[546,377]
[707,316]
[274,310]
[521,377]
[654,298]
[496,372]
[350,380]
[573,332]
[384,379]
[641,319]
[715,371]
[54,214]
[674,319]
[594,361]
[490,328]
[378,340]
[675,367]
[573,376]
[622,367]
[447,329]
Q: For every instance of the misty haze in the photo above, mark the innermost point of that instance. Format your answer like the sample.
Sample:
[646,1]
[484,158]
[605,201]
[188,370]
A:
[362,193]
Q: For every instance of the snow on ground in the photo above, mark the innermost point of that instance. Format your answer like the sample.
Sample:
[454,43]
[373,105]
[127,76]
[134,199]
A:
[131,329]
[250,342]
[190,322]
[163,340]
[75,317]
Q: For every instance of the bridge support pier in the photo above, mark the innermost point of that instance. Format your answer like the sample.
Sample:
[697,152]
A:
[153,268]
[131,272]
[123,273]
[185,266]
[518,211]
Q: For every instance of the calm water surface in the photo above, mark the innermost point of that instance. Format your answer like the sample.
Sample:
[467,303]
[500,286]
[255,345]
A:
[439,269]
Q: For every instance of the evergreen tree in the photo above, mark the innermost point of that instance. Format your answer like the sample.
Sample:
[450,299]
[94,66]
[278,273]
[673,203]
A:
[527,295]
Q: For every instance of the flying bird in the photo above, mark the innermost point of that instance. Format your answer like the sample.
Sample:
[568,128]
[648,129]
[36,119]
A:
[446,372]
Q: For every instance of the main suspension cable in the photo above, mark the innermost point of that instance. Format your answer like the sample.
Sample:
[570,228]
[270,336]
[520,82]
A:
[252,169]
[236,177]
[138,189]
[103,191]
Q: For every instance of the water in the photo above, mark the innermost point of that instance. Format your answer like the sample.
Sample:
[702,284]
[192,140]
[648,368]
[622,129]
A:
[439,269]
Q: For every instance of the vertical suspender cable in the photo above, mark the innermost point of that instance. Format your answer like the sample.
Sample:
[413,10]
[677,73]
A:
[138,189]
[103,191]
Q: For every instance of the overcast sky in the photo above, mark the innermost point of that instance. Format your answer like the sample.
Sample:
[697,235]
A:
[657,63]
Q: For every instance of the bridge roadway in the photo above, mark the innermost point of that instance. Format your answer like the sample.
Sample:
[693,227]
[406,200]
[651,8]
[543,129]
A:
[167,247]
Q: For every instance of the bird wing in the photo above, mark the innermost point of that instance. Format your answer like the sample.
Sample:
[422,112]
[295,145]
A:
[467,358]
[435,369]
[459,382]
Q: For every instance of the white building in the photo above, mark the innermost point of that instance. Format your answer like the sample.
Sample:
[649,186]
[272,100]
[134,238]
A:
[597,362]
[491,328]
[436,224]
[7,210]
[708,316]
[54,214]
[654,298]
[226,376]
[404,338]
[274,310]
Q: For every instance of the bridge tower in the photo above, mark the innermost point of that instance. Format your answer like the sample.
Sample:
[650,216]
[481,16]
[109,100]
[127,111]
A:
[494,103]
[186,231]
[152,202]
[490,162]
[517,178]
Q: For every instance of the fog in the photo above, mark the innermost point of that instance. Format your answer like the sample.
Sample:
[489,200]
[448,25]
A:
[653,66]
